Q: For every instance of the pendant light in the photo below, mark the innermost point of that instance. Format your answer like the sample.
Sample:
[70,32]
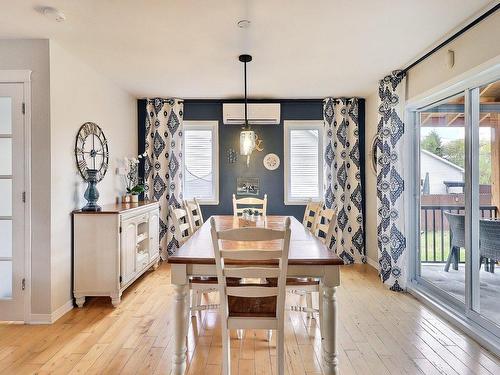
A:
[247,136]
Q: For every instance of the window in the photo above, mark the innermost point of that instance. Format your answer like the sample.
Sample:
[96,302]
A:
[201,161]
[303,161]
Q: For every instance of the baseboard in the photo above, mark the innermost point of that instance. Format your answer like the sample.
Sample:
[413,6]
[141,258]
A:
[54,316]
[372,263]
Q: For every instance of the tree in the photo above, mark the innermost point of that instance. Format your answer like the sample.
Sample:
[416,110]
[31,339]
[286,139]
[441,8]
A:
[432,143]
[454,151]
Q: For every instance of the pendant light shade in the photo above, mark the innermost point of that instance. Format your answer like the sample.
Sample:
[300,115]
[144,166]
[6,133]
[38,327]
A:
[247,136]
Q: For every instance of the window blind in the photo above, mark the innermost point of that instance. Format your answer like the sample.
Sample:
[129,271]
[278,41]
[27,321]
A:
[304,168]
[198,164]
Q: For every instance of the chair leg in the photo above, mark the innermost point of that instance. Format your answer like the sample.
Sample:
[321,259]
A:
[309,304]
[456,258]
[194,299]
[239,334]
[280,350]
[269,335]
[448,261]
[226,351]
[481,260]
[198,298]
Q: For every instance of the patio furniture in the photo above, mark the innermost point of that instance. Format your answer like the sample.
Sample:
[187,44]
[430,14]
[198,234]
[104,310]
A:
[457,238]
[489,243]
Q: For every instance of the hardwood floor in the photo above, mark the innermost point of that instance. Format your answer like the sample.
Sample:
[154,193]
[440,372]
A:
[380,332]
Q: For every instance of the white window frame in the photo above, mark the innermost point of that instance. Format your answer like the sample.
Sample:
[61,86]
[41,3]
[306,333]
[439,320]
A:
[214,127]
[302,125]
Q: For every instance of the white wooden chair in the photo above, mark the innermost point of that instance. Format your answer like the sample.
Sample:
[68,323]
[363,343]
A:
[276,263]
[197,285]
[254,203]
[310,214]
[324,229]
[195,216]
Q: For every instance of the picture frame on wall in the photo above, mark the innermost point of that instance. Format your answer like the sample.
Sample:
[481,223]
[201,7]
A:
[248,186]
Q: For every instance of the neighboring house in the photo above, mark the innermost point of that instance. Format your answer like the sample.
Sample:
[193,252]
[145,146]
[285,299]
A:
[440,171]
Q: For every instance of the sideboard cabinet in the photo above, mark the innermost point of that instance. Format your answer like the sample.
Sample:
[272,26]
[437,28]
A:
[112,248]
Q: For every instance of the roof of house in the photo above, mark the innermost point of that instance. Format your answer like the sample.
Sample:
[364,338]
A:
[442,160]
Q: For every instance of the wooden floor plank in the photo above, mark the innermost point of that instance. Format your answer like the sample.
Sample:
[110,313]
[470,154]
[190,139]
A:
[380,332]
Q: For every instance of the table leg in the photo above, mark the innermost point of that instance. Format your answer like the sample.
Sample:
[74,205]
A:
[180,316]
[330,329]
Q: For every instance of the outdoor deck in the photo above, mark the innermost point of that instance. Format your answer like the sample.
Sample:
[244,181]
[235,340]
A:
[453,282]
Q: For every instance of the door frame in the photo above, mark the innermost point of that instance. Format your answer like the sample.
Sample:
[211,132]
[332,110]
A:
[24,77]
[482,330]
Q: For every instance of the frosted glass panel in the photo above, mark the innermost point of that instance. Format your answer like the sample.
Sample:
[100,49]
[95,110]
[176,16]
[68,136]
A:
[5,238]
[5,279]
[5,115]
[6,197]
[5,156]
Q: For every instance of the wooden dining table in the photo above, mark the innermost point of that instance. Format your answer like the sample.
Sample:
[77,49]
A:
[308,257]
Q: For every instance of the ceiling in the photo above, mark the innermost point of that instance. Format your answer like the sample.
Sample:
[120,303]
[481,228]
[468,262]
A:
[189,49]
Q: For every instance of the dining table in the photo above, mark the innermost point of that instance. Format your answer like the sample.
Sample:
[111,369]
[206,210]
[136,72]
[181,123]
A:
[308,257]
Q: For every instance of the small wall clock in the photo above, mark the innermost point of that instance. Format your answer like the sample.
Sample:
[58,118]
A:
[92,156]
[271,161]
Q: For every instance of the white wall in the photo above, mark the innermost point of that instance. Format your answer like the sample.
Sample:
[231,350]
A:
[473,48]
[34,55]
[79,94]
[439,172]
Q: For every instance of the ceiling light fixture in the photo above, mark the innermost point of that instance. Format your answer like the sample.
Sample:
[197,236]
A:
[247,136]
[53,14]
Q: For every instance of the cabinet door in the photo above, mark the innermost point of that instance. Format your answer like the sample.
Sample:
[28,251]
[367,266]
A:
[154,234]
[128,250]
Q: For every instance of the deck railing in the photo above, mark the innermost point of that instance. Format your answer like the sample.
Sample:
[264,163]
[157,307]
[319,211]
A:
[435,233]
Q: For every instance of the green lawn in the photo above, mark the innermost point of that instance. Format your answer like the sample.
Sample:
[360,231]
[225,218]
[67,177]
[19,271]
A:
[440,256]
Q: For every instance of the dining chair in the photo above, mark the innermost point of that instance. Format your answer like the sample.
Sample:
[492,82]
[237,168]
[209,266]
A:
[254,203]
[489,243]
[312,209]
[266,264]
[324,229]
[197,285]
[195,216]
[457,238]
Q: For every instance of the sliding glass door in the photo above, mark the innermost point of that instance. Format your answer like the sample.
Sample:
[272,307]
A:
[457,210]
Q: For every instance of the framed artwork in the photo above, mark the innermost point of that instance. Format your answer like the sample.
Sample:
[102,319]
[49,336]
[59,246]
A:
[247,186]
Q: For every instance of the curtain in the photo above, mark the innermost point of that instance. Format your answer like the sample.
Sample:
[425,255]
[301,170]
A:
[390,182]
[343,176]
[163,163]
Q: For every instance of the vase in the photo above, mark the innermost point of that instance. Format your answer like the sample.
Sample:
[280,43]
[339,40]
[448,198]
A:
[126,198]
[91,194]
[134,198]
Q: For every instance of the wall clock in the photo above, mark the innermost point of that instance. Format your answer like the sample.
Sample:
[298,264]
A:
[91,151]
[271,161]
[92,156]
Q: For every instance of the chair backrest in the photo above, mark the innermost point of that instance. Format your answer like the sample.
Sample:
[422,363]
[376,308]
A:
[194,214]
[310,213]
[324,225]
[181,224]
[254,203]
[489,239]
[275,267]
[457,228]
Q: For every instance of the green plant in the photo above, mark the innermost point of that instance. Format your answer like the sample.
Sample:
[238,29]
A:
[136,190]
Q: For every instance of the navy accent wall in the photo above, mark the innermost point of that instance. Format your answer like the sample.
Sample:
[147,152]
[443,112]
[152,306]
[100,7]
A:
[271,182]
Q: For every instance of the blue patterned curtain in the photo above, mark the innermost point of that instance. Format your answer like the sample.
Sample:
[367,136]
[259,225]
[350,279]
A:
[163,165]
[343,176]
[390,182]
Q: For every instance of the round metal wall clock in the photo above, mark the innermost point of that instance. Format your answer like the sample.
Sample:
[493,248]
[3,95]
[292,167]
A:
[271,161]
[91,152]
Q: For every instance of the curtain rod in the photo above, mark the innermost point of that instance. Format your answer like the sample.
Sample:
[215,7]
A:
[454,36]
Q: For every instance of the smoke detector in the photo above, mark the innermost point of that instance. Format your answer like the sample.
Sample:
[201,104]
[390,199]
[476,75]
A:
[244,24]
[53,14]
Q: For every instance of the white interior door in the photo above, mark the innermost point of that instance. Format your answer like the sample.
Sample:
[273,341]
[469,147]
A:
[12,220]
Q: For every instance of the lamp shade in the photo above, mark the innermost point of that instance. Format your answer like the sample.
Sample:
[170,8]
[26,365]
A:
[247,142]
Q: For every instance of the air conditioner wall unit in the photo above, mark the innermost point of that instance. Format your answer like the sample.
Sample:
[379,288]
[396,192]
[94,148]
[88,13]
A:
[258,113]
